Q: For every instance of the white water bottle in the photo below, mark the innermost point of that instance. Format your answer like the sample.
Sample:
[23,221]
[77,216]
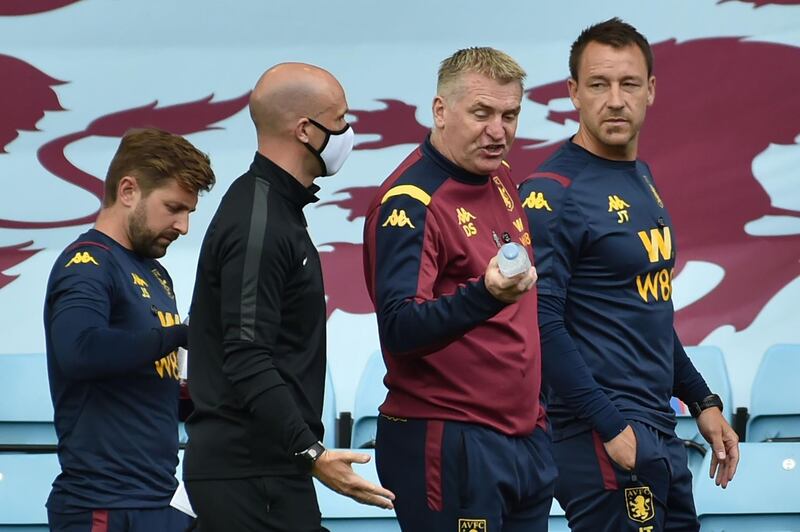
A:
[512,259]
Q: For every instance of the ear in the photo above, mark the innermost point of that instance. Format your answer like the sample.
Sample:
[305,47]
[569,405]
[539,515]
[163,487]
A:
[128,191]
[651,90]
[572,87]
[301,130]
[438,108]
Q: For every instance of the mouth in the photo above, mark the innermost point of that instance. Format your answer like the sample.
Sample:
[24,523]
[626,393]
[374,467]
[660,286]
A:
[615,121]
[493,150]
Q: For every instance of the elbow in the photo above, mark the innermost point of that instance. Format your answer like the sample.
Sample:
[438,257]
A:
[76,366]
[405,332]
[392,341]
[73,358]
[393,336]
[399,341]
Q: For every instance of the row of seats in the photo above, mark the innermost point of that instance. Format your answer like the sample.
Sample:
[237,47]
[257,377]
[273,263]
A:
[765,489]
[774,406]
[26,413]
[763,497]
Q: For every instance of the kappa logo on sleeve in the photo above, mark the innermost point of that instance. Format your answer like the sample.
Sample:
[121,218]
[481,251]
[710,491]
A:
[82,257]
[536,200]
[472,525]
[398,218]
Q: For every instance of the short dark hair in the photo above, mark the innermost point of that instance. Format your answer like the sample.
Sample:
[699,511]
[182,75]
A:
[613,32]
[154,156]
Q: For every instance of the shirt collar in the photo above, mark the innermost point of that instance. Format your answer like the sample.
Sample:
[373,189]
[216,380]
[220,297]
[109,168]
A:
[455,171]
[583,152]
[284,182]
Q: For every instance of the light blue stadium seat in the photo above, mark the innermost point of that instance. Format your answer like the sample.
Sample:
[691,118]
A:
[183,437]
[370,394]
[26,411]
[710,362]
[557,521]
[179,468]
[775,395]
[763,497]
[329,411]
[25,480]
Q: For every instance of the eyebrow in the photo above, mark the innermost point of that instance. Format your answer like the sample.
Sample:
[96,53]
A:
[481,105]
[180,204]
[601,77]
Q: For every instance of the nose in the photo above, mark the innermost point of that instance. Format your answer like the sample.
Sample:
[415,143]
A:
[494,129]
[181,224]
[615,100]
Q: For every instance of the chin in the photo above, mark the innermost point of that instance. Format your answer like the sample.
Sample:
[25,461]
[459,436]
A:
[616,139]
[157,252]
[487,166]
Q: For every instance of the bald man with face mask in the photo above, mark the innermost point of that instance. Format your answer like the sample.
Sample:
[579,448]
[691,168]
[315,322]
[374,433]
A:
[257,334]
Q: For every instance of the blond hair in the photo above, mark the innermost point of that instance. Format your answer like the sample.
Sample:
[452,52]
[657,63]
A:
[484,60]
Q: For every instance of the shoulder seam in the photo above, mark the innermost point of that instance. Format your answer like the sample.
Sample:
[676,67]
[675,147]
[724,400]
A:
[87,243]
[563,180]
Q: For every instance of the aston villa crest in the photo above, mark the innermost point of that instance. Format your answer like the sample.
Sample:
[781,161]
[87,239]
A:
[639,502]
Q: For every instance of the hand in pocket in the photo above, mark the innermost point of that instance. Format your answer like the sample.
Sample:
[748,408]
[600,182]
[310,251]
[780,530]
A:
[622,449]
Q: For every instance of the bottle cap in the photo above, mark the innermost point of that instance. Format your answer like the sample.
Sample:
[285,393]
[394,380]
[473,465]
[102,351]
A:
[510,251]
[512,259]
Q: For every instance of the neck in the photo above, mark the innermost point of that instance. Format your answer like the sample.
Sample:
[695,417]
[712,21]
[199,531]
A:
[290,158]
[436,142]
[625,152]
[113,224]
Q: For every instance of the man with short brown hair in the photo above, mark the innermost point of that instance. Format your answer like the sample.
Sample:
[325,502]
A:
[112,330]
[611,358]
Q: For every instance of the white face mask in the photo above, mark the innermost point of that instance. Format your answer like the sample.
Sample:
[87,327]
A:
[335,148]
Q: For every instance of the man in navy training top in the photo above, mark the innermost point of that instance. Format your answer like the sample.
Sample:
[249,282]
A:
[112,330]
[461,438]
[605,249]
[258,359]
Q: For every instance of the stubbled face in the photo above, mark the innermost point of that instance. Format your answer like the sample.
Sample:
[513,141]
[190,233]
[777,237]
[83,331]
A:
[612,95]
[159,218]
[475,124]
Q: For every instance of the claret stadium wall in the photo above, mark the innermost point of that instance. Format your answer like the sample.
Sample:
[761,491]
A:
[723,141]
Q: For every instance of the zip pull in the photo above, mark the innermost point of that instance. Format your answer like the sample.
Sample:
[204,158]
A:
[496,239]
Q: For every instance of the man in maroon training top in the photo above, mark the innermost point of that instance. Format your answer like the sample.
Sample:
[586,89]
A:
[461,438]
